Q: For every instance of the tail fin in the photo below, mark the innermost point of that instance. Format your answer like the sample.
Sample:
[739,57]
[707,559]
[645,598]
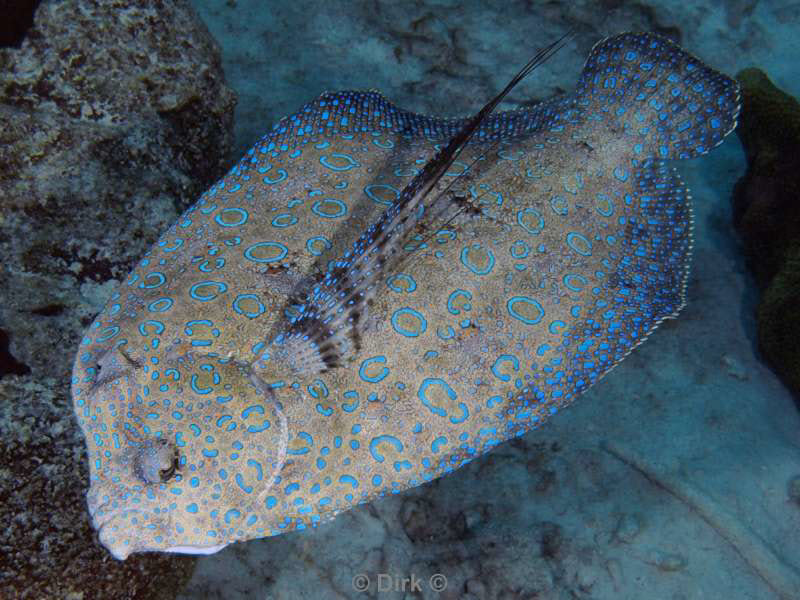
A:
[670,102]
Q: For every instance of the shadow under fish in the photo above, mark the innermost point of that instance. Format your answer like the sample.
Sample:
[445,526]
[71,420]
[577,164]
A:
[372,298]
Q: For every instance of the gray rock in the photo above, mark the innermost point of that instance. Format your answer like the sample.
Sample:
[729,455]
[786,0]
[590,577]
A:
[113,118]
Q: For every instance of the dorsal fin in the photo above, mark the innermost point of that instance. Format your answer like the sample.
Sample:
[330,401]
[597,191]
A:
[326,330]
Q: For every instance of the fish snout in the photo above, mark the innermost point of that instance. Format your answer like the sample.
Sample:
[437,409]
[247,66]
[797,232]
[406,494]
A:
[121,531]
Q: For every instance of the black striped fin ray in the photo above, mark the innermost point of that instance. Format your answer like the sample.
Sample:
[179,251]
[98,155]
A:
[326,329]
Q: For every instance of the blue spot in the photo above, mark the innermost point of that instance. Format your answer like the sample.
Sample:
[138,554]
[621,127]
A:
[324,411]
[519,249]
[198,291]
[350,407]
[253,408]
[284,220]
[445,235]
[502,359]
[108,333]
[257,466]
[160,279]
[263,427]
[318,389]
[464,414]
[349,479]
[452,298]
[259,253]
[383,143]
[177,243]
[475,268]
[231,217]
[371,189]
[390,439]
[518,303]
[240,482]
[322,208]
[160,305]
[349,162]
[362,371]
[579,243]
[408,283]
[412,330]
[574,282]
[423,390]
[312,244]
[196,389]
[232,514]
[157,325]
[281,175]
[260,308]
[603,205]
[530,220]
[559,205]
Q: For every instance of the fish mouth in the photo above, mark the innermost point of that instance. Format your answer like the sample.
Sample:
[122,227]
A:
[201,550]
[120,545]
[103,525]
[111,525]
[118,552]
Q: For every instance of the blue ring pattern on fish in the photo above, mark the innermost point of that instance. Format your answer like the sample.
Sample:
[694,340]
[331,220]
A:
[333,321]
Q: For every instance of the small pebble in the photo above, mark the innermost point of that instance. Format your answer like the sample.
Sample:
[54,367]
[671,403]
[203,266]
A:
[667,561]
[614,568]
[628,528]
[734,368]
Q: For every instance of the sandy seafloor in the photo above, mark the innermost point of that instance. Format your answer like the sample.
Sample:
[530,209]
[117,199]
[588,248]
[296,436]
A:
[668,479]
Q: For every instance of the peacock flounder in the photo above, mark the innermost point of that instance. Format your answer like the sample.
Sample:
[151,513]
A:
[372,298]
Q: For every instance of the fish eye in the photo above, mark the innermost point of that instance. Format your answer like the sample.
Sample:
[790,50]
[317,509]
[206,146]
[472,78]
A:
[169,473]
[156,461]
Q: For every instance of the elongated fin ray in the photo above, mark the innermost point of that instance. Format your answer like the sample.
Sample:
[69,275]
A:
[326,331]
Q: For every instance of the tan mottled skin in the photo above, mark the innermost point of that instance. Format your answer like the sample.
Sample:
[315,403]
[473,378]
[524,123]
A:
[576,163]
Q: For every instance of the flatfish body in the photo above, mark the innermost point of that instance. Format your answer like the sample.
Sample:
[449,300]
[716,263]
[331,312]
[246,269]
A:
[296,344]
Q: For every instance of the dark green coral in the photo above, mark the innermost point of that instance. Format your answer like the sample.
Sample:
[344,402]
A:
[767,216]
